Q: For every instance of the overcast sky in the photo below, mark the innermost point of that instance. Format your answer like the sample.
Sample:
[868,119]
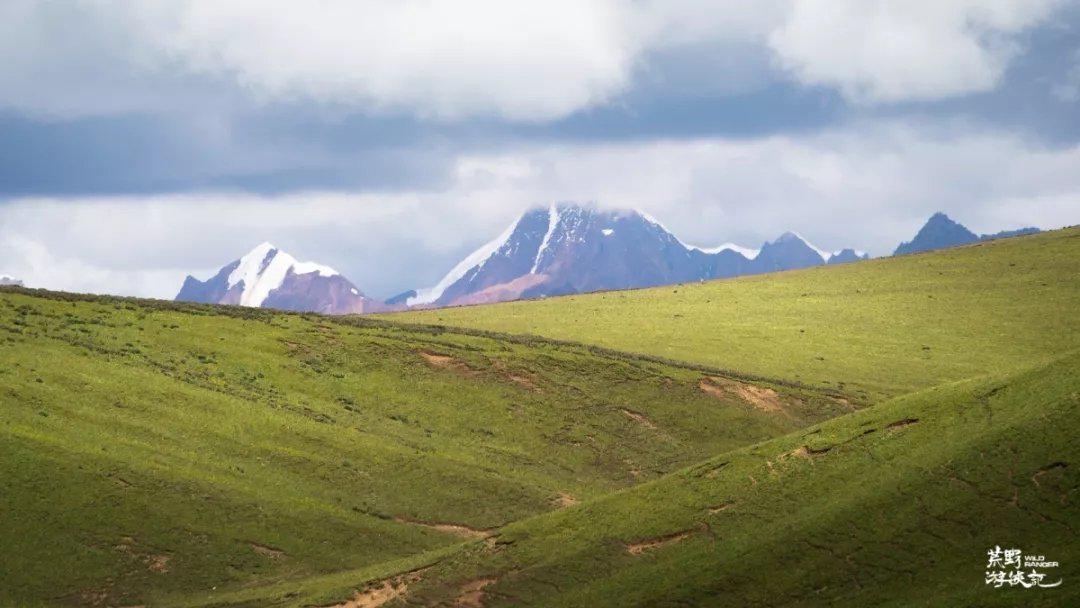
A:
[140,142]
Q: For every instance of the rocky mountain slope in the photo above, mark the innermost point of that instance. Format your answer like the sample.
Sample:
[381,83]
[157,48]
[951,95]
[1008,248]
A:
[270,278]
[569,248]
[941,231]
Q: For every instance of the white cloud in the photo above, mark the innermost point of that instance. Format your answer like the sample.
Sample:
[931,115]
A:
[863,186]
[437,57]
[456,59]
[892,50]
[34,263]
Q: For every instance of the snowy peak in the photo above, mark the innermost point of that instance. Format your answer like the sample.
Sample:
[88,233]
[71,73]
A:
[789,252]
[264,269]
[792,238]
[569,248]
[271,278]
[848,255]
[746,252]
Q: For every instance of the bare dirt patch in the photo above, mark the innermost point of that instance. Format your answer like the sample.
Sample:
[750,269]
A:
[651,544]
[806,452]
[899,424]
[447,362]
[449,528]
[154,563]
[471,594]
[638,417]
[267,551]
[713,472]
[720,508]
[524,381]
[760,397]
[563,500]
[158,563]
[382,592]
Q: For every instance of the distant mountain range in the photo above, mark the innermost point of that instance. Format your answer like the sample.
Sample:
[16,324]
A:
[10,281]
[557,250]
[270,278]
[568,248]
[941,231]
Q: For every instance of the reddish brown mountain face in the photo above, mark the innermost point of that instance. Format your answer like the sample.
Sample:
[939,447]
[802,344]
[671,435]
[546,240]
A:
[270,278]
[567,249]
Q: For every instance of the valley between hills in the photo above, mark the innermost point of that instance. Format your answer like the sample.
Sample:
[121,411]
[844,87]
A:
[856,434]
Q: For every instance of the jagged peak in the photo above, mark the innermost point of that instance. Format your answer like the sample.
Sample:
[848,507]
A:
[477,258]
[790,236]
[264,268]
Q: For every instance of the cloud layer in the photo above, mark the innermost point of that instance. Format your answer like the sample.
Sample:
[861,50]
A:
[865,186]
[886,51]
[454,59]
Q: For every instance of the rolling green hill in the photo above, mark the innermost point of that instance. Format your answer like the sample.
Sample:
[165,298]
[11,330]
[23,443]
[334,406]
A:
[881,426]
[897,504]
[151,450]
[882,327]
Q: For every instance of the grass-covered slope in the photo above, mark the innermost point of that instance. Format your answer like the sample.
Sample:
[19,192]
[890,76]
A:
[894,505]
[153,451]
[884,327]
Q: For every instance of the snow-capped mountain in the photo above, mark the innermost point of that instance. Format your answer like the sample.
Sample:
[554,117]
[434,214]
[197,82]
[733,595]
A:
[847,255]
[568,248]
[941,231]
[270,278]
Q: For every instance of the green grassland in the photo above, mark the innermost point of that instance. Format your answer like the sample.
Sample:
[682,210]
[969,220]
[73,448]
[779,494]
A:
[881,328]
[150,450]
[851,435]
[895,505]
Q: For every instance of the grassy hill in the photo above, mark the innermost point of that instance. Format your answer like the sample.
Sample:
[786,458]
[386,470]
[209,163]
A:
[881,328]
[888,422]
[897,505]
[151,450]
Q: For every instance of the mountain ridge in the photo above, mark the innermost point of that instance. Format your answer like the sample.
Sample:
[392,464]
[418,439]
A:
[268,277]
[562,249]
[567,248]
[941,231]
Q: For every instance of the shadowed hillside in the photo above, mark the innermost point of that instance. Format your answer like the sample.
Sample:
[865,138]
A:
[149,449]
[886,424]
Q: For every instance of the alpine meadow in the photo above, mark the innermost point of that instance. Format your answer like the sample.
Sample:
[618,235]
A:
[899,417]
[560,304]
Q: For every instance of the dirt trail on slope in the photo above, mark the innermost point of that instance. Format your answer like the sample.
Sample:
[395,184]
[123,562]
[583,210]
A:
[640,418]
[520,379]
[899,424]
[760,397]
[449,528]
[650,544]
[266,550]
[457,365]
[447,362]
[656,543]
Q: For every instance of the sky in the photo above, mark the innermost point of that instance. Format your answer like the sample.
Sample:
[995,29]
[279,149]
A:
[141,142]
